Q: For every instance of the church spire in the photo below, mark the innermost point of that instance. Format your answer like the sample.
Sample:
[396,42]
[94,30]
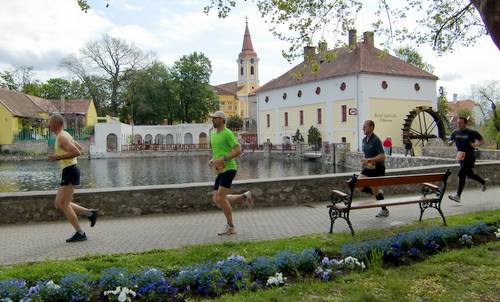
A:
[247,48]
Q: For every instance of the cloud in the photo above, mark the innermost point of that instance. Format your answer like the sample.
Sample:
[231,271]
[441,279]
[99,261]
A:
[137,35]
[133,8]
[450,77]
[41,33]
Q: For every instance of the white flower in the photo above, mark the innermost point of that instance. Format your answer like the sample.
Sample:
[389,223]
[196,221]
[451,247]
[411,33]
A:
[50,284]
[122,293]
[276,280]
[319,270]
[497,234]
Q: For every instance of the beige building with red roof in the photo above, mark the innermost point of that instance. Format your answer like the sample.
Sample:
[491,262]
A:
[339,89]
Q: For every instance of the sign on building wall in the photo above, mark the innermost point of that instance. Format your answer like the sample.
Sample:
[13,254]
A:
[353,111]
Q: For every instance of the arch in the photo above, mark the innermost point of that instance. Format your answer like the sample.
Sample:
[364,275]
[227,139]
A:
[203,138]
[188,138]
[159,139]
[241,70]
[251,70]
[111,142]
[148,139]
[170,139]
[137,139]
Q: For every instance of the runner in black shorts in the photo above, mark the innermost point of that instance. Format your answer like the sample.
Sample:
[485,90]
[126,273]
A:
[66,152]
[225,149]
[373,162]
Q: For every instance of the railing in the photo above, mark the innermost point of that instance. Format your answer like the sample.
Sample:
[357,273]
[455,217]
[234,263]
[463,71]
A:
[252,147]
[284,147]
[36,135]
[164,147]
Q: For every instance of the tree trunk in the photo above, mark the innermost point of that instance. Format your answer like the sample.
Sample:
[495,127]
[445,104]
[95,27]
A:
[489,10]
[114,102]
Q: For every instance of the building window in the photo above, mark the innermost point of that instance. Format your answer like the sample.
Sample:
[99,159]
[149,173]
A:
[344,113]
[343,86]
[286,119]
[301,117]
[299,93]
[241,70]
[251,70]
[384,85]
[318,90]
[268,117]
[284,95]
[267,99]
[344,139]
[417,86]
[319,116]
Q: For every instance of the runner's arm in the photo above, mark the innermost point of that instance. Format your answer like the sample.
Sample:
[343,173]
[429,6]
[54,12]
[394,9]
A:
[234,153]
[69,146]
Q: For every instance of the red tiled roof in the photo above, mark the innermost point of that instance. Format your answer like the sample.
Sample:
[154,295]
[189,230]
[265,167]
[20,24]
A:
[247,48]
[78,106]
[230,88]
[462,104]
[19,104]
[364,58]
[44,104]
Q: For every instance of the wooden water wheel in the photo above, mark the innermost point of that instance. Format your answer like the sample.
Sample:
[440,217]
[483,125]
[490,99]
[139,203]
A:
[423,124]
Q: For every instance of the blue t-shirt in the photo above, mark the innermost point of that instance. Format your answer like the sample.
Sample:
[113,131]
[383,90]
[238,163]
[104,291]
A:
[372,146]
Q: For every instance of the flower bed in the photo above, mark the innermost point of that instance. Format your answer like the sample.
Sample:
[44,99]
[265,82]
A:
[235,273]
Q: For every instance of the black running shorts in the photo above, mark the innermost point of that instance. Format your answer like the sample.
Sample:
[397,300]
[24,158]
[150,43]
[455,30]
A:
[224,179]
[70,176]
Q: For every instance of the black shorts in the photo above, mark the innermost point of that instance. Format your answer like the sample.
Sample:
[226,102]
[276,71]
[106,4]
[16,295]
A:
[224,179]
[70,176]
[378,171]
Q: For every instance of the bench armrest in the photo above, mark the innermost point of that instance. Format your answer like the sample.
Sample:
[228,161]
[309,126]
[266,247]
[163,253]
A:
[428,188]
[339,196]
[339,193]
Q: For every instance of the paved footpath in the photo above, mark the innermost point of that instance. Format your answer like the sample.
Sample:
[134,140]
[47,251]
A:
[42,241]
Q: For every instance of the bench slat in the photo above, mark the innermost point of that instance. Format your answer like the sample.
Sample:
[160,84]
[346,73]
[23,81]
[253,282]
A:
[399,180]
[365,204]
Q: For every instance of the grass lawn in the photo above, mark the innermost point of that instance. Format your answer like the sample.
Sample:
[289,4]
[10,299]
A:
[468,275]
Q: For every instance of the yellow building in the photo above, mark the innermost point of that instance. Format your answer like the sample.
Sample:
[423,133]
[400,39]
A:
[24,117]
[19,116]
[233,96]
[352,84]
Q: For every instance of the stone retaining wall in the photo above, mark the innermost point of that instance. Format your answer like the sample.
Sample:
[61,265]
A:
[33,148]
[353,161]
[23,207]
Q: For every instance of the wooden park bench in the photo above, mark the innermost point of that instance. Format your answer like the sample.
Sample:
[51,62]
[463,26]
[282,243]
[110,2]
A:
[432,189]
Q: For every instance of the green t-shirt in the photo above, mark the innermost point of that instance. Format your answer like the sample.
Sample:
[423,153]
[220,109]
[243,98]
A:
[222,144]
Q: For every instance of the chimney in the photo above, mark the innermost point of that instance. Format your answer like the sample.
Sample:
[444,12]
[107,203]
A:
[352,38]
[368,38]
[455,97]
[309,53]
[322,49]
[62,105]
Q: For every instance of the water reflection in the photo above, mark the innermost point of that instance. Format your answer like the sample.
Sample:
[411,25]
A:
[99,173]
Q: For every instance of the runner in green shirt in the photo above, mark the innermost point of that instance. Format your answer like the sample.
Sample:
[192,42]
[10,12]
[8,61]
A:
[225,148]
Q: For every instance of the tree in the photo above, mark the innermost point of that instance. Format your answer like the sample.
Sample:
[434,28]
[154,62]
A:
[298,137]
[234,122]
[17,79]
[196,97]
[442,24]
[55,88]
[411,55]
[443,109]
[94,86]
[151,96]
[489,95]
[314,137]
[114,58]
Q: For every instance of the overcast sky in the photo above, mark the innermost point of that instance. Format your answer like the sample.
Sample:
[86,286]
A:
[39,33]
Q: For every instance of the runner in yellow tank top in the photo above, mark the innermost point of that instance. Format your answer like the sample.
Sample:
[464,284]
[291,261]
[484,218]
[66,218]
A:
[66,152]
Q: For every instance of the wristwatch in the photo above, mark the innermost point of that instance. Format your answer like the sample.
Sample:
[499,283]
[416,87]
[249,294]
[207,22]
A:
[58,157]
